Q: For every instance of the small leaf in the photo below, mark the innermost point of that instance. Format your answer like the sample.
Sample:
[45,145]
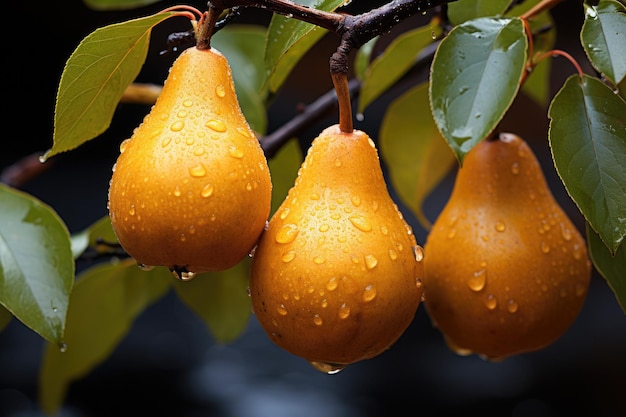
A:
[95,236]
[105,301]
[102,5]
[475,75]
[603,38]
[36,263]
[394,62]
[95,77]
[284,168]
[611,267]
[288,39]
[220,299]
[587,138]
[416,156]
[463,10]
[363,57]
[243,46]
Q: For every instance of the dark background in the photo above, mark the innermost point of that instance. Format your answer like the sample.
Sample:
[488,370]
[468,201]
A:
[170,365]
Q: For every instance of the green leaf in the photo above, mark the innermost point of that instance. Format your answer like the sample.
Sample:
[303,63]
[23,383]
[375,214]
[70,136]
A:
[611,267]
[220,299]
[105,301]
[36,264]
[394,62]
[288,39]
[475,75]
[463,10]
[588,144]
[92,237]
[95,77]
[415,154]
[603,37]
[363,57]
[284,168]
[5,317]
[243,46]
[117,4]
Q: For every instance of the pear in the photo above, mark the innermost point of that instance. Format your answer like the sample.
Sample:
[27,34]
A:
[506,270]
[336,276]
[191,188]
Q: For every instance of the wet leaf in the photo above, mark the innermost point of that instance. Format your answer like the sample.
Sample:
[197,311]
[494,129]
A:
[36,264]
[463,10]
[394,62]
[587,138]
[611,267]
[475,75]
[603,38]
[104,303]
[289,39]
[415,154]
[95,77]
[220,299]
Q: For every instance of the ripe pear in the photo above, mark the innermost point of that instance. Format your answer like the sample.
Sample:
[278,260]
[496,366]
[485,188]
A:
[506,270]
[336,276]
[191,188]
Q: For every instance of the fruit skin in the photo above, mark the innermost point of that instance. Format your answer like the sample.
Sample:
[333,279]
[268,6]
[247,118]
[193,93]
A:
[191,189]
[506,270]
[334,278]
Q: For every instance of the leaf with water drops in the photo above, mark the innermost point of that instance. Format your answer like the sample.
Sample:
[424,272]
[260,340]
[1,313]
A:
[394,62]
[603,38]
[588,144]
[105,301]
[36,264]
[463,10]
[475,75]
[610,266]
[220,299]
[415,154]
[289,39]
[95,77]
[243,46]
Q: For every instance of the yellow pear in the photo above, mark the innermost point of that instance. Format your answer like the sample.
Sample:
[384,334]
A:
[336,276]
[191,188]
[506,270]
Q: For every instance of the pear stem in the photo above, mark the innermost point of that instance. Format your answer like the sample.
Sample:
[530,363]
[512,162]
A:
[207,27]
[339,75]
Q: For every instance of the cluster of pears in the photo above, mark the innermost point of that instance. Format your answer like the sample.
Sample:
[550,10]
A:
[191,188]
[506,271]
[336,277]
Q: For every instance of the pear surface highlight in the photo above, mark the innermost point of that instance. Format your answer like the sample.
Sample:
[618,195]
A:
[507,272]
[336,276]
[191,188]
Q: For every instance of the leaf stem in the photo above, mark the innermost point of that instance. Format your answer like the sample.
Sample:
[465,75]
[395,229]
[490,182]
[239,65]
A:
[556,52]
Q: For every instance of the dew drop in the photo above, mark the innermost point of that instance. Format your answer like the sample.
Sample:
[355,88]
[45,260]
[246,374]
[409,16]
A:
[515,168]
[452,233]
[478,280]
[318,260]
[177,126]
[327,368]
[332,284]
[384,230]
[318,320]
[197,171]
[566,233]
[188,103]
[235,152]
[282,310]
[344,311]
[216,125]
[500,227]
[356,200]
[512,306]
[124,145]
[220,91]
[369,293]
[63,347]
[288,256]
[284,213]
[371,261]
[418,252]
[182,274]
[177,191]
[491,302]
[207,191]
[337,162]
[324,227]
[545,248]
[287,233]
[243,132]
[393,254]
[361,223]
